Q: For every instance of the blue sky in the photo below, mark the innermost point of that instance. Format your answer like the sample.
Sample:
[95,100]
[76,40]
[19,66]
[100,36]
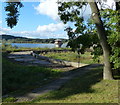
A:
[37,20]
[26,18]
[34,24]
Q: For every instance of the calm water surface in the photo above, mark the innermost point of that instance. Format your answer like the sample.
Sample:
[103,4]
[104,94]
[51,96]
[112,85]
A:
[36,45]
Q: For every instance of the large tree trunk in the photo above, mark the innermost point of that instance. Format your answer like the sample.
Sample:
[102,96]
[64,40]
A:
[107,72]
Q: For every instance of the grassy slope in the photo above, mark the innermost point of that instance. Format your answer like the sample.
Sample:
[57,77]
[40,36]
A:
[18,78]
[89,88]
[71,56]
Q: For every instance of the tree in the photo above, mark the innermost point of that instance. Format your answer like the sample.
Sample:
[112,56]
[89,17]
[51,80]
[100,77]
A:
[107,74]
[13,12]
[70,12]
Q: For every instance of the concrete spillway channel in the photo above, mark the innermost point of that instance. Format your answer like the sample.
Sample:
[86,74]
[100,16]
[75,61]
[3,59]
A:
[58,61]
[29,57]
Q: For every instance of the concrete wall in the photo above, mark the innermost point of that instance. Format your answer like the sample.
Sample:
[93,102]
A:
[58,61]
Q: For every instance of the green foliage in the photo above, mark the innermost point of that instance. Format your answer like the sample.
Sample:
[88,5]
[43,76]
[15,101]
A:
[112,19]
[70,11]
[85,33]
[13,12]
[9,99]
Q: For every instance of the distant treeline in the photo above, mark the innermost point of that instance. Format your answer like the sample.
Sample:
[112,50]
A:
[14,39]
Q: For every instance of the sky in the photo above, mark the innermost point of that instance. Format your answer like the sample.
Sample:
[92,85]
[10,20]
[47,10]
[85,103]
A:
[37,20]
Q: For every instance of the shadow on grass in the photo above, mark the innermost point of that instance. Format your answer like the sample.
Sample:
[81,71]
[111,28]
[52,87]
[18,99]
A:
[77,85]
[19,79]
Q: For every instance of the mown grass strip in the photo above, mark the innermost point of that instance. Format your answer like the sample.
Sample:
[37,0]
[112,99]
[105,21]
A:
[89,88]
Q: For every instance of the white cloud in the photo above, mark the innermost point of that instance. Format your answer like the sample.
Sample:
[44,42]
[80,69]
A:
[50,27]
[37,33]
[4,30]
[111,4]
[107,4]
[0,22]
[49,8]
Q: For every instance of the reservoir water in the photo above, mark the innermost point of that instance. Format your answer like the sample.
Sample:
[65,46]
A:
[36,45]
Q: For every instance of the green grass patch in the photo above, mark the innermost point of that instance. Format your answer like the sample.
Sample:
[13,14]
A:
[86,58]
[88,88]
[21,79]
[9,99]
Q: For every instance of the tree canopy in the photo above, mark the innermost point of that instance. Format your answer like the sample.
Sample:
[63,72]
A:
[13,13]
[106,26]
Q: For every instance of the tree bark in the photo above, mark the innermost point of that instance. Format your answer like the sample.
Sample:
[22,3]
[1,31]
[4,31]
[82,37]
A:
[107,72]
[118,9]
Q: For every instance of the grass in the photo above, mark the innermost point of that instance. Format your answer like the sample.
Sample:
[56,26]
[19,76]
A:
[89,88]
[20,79]
[73,56]
[9,99]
